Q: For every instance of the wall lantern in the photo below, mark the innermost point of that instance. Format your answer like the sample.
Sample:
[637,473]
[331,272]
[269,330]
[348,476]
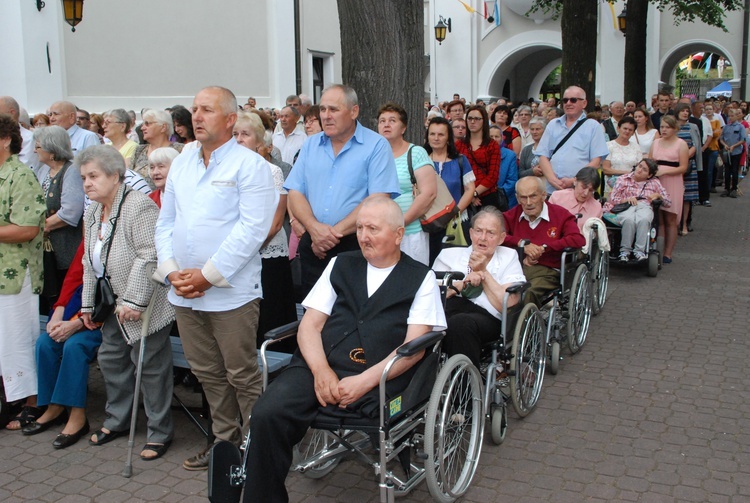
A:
[622,20]
[73,11]
[441,28]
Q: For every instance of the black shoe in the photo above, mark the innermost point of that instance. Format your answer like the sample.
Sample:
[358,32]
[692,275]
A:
[104,438]
[733,194]
[159,449]
[35,427]
[64,440]
[724,194]
[713,190]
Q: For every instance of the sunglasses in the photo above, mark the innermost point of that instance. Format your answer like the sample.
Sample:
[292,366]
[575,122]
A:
[572,100]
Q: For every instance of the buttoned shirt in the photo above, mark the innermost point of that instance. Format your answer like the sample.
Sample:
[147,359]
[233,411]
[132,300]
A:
[81,139]
[590,208]
[289,144]
[215,218]
[626,187]
[586,144]
[734,133]
[28,154]
[544,215]
[335,184]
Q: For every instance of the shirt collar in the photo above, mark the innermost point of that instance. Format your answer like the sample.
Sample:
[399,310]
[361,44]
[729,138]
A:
[220,153]
[544,215]
[73,130]
[358,135]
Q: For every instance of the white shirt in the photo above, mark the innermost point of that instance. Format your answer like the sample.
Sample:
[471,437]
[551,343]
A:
[426,309]
[503,266]
[215,219]
[544,215]
[28,155]
[289,145]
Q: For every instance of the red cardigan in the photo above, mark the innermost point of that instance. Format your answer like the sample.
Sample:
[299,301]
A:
[485,161]
[559,233]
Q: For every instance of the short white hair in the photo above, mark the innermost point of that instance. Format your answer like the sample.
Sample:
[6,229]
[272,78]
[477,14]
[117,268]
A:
[160,116]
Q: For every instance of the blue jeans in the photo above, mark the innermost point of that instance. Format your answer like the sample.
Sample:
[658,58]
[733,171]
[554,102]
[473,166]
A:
[711,156]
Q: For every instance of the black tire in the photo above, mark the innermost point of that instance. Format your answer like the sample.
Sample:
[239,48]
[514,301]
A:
[600,278]
[579,309]
[454,427]
[653,264]
[499,426]
[528,360]
[554,358]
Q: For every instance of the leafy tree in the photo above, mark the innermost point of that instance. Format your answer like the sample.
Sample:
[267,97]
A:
[382,46]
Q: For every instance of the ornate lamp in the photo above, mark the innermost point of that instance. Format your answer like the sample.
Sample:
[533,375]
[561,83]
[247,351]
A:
[442,27]
[73,11]
[622,20]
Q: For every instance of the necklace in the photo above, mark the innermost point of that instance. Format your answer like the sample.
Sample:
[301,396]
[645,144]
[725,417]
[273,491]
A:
[102,227]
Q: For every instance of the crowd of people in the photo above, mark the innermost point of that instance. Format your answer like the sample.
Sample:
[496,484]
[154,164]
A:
[244,215]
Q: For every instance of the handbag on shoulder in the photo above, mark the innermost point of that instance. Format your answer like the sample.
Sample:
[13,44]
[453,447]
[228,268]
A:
[443,208]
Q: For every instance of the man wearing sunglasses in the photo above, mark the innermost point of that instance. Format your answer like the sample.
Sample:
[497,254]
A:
[569,144]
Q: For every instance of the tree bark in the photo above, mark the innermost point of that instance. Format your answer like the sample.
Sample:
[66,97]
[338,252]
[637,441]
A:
[579,31]
[382,46]
[635,51]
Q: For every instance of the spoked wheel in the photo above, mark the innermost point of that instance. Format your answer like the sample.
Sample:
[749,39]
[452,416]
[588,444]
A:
[315,442]
[499,425]
[600,280]
[579,309]
[528,360]
[454,427]
[554,358]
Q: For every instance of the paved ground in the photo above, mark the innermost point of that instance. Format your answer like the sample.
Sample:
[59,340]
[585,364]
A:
[656,408]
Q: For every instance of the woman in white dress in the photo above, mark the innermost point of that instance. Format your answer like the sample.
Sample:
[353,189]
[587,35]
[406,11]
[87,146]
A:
[645,133]
[623,154]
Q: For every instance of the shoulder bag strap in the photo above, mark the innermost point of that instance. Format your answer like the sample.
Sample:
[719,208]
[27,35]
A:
[409,165]
[567,136]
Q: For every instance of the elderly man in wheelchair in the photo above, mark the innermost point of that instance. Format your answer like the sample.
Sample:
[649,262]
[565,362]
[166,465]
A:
[364,307]
[550,241]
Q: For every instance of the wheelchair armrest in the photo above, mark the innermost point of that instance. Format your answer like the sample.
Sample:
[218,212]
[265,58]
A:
[656,204]
[518,287]
[422,342]
[570,249]
[282,332]
[447,277]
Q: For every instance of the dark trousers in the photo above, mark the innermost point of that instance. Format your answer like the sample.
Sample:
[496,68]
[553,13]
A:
[704,182]
[312,266]
[470,327]
[731,173]
[280,419]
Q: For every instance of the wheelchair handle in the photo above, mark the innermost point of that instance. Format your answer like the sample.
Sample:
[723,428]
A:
[518,287]
[447,277]
[283,331]
[420,343]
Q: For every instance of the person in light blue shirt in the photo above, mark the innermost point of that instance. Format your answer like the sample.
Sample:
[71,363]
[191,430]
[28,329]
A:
[63,114]
[335,171]
[217,210]
[586,147]
[732,140]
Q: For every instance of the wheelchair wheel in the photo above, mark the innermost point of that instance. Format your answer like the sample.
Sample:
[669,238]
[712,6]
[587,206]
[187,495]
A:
[315,442]
[579,309]
[554,358]
[600,280]
[528,360]
[454,427]
[653,264]
[499,426]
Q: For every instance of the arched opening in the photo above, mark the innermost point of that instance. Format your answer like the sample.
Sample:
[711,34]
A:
[523,73]
[693,68]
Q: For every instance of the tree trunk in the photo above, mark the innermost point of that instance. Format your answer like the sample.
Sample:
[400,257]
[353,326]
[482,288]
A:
[635,51]
[382,46]
[579,26]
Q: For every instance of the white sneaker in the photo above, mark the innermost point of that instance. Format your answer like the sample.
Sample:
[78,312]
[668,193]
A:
[640,256]
[624,257]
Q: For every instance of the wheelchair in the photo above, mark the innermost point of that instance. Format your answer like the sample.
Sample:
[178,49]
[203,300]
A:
[597,261]
[433,431]
[567,309]
[654,248]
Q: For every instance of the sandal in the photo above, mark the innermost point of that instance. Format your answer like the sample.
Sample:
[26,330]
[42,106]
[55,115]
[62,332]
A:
[104,438]
[159,449]
[27,416]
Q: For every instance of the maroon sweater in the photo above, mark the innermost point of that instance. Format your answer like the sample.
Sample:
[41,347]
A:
[559,233]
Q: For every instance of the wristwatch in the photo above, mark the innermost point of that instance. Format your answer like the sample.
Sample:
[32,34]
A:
[476,194]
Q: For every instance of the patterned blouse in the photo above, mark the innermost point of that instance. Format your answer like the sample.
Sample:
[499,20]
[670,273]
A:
[22,204]
[139,161]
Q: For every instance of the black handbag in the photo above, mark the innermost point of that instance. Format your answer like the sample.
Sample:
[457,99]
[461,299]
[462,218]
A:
[105,300]
[619,208]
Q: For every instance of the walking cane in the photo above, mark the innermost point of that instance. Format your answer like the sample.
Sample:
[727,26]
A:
[128,470]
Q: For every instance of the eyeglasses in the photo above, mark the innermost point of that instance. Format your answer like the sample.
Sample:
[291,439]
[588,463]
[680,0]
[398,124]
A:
[473,119]
[149,124]
[107,123]
[572,100]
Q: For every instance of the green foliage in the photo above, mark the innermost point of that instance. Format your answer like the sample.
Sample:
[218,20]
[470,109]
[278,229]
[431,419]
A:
[711,12]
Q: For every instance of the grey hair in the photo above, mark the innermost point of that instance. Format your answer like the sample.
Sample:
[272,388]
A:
[588,176]
[541,187]
[56,141]
[538,120]
[106,157]
[23,117]
[267,138]
[162,117]
[120,115]
[490,211]
[392,214]
[578,88]
[305,100]
[227,101]
[294,111]
[350,95]
[524,108]
[163,155]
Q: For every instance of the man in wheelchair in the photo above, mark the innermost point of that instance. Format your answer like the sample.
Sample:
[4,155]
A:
[365,305]
[474,306]
[547,229]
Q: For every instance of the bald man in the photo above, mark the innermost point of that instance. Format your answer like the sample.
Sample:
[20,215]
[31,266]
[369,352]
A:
[63,114]
[10,106]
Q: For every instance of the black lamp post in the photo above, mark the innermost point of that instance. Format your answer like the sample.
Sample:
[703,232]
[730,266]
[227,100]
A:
[442,27]
[622,20]
[73,11]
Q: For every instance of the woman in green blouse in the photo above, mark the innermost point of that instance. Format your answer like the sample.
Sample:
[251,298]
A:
[22,212]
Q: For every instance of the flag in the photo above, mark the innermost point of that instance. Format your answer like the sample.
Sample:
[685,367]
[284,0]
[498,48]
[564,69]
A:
[698,56]
[685,63]
[708,63]
[468,7]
